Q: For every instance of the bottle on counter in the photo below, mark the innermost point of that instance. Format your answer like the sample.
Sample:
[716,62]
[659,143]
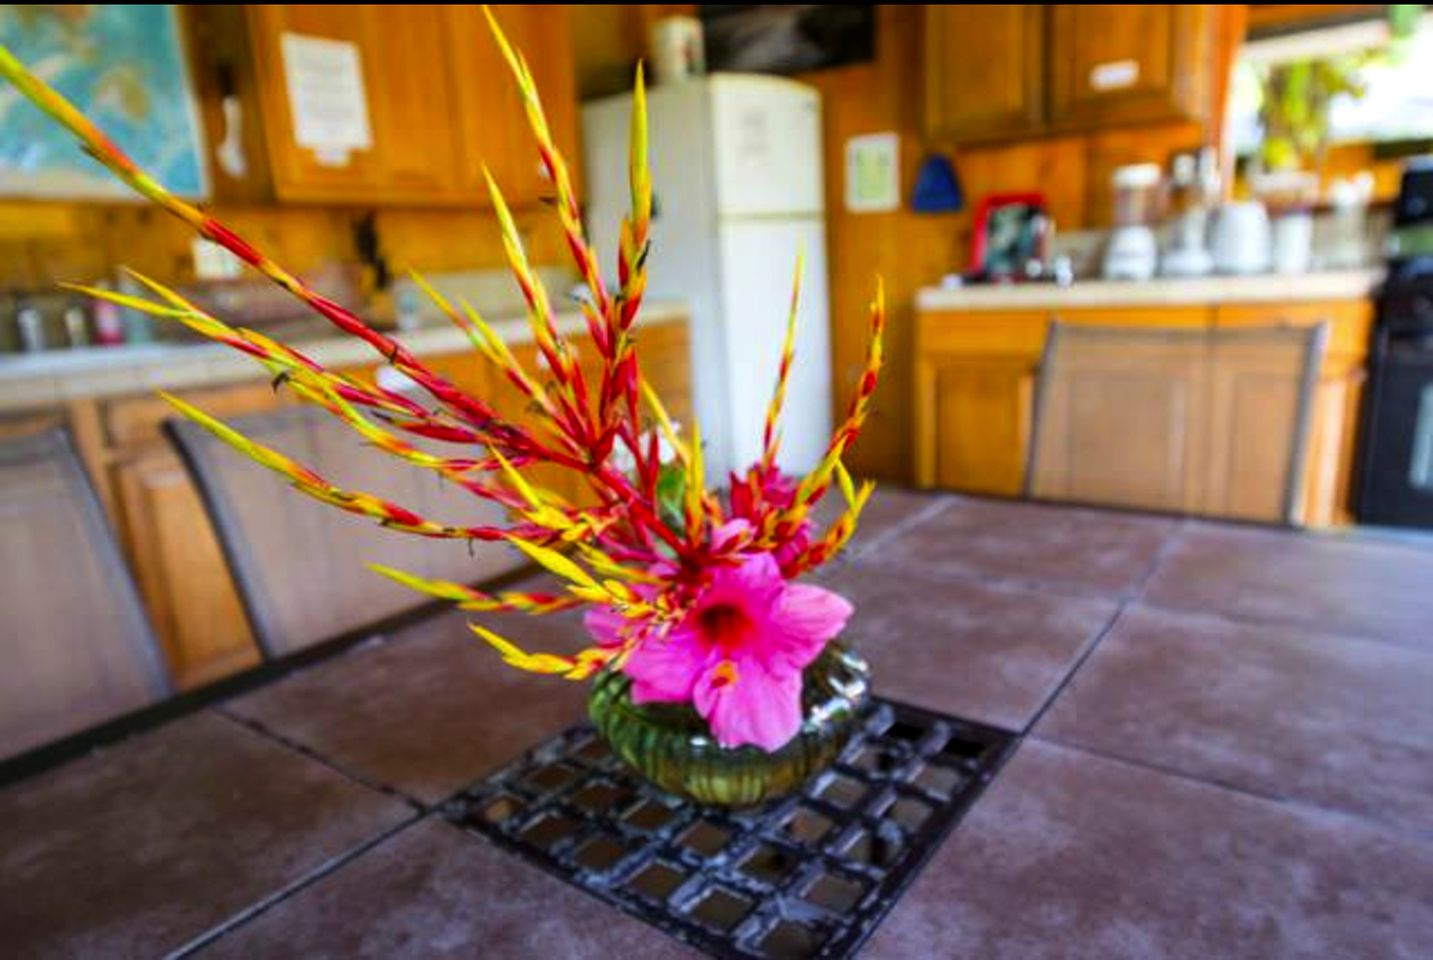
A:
[1194,189]
[31,324]
[77,329]
[109,322]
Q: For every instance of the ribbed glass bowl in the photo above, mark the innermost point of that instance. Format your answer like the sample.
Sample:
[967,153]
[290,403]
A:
[671,745]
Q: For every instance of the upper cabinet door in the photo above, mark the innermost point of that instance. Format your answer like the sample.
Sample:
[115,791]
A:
[413,155]
[1113,64]
[984,75]
[492,124]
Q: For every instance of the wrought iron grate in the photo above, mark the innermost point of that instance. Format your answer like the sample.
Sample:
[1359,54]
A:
[807,876]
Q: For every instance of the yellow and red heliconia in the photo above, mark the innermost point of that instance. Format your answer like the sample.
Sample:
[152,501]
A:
[697,604]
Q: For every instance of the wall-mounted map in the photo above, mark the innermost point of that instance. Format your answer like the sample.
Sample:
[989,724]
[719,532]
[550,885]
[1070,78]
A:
[122,65]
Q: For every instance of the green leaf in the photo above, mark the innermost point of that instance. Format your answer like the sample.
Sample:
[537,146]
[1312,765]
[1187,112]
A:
[671,494]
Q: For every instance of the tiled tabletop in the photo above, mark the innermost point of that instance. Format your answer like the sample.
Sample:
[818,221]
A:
[1227,749]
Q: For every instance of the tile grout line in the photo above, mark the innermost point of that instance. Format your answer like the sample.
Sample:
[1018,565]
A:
[1121,606]
[1292,803]
[1188,524]
[937,505]
[1089,651]
[260,729]
[263,905]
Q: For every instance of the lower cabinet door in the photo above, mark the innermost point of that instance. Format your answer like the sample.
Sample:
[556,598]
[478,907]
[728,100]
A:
[181,571]
[983,409]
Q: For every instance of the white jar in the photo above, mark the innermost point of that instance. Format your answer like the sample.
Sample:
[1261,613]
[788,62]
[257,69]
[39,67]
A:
[1240,244]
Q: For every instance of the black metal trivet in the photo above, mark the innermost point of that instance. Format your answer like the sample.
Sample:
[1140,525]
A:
[807,876]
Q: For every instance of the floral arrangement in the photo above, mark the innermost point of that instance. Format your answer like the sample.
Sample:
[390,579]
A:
[690,594]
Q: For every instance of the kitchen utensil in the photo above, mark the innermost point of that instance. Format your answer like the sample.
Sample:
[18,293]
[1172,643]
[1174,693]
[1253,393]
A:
[1132,252]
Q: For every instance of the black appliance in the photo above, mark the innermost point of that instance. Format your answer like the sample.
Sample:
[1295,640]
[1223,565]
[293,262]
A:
[1396,487]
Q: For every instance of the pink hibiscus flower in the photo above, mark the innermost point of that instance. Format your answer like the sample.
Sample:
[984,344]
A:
[739,654]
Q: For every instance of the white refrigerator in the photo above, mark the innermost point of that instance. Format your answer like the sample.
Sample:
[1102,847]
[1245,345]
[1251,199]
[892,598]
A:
[738,191]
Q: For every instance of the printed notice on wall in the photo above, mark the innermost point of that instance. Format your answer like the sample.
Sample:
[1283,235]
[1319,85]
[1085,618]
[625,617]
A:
[325,86]
[873,173]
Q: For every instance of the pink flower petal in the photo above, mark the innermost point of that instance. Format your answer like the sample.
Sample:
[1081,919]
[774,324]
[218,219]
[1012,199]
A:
[754,706]
[807,617]
[607,626]
[756,581]
[664,670]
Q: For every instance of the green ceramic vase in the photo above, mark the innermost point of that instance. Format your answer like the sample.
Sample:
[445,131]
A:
[671,745]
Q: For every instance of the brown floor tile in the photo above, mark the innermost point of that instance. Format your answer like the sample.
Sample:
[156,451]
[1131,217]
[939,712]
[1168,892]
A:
[430,710]
[988,652]
[1378,588]
[136,850]
[435,891]
[889,507]
[1280,711]
[1075,857]
[1079,549]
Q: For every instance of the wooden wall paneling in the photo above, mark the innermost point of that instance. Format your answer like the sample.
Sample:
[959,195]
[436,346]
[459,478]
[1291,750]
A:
[907,250]
[1056,168]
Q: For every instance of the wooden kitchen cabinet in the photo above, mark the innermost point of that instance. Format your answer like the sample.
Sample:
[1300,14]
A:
[180,569]
[1333,434]
[441,103]
[171,546]
[984,410]
[975,387]
[1011,71]
[1116,64]
[984,71]
[414,152]
[976,373]
[494,127]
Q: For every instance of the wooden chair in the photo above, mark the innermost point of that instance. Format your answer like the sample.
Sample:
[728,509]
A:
[77,646]
[300,565]
[1187,421]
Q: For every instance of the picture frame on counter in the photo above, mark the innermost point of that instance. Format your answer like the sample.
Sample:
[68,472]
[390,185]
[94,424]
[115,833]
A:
[1011,237]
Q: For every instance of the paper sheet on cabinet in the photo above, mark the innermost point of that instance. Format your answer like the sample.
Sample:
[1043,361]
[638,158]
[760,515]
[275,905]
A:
[873,173]
[326,98]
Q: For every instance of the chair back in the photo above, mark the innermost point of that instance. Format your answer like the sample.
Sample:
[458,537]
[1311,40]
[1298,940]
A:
[300,565]
[77,646]
[1190,421]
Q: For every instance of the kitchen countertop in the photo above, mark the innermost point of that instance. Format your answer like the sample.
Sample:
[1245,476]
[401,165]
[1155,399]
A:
[37,380]
[1198,772]
[1264,288]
